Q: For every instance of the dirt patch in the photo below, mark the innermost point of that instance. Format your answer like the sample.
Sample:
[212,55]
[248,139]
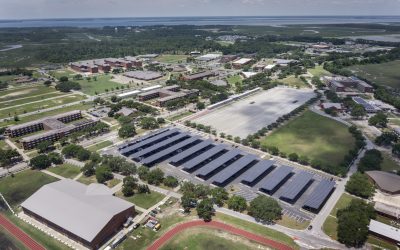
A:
[17,93]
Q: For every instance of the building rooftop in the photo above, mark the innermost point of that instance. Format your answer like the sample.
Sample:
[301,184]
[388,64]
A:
[242,61]
[384,230]
[42,120]
[143,75]
[387,182]
[80,209]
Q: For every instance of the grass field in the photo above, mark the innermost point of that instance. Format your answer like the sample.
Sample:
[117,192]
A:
[234,79]
[87,180]
[99,146]
[103,82]
[66,170]
[387,74]
[179,116]
[8,242]
[388,163]
[4,145]
[16,189]
[171,58]
[65,72]
[20,101]
[314,136]
[206,238]
[294,82]
[144,200]
[7,78]
[319,71]
[46,114]
[17,93]
[31,107]
[286,221]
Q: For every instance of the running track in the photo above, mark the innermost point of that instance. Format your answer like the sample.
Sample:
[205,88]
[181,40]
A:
[19,234]
[217,225]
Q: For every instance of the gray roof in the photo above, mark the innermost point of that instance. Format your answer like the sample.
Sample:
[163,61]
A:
[80,209]
[384,230]
[319,195]
[143,75]
[385,181]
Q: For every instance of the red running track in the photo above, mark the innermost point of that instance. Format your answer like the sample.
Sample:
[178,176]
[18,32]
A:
[20,235]
[217,225]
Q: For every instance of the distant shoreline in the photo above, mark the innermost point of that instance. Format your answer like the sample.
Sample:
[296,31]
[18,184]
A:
[198,21]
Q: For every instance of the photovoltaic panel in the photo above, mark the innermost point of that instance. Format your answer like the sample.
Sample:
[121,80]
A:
[130,143]
[275,179]
[169,150]
[319,195]
[158,145]
[256,171]
[202,157]
[294,188]
[179,157]
[148,141]
[218,162]
[233,169]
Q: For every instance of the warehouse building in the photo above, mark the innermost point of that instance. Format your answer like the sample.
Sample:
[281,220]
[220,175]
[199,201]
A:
[238,64]
[90,215]
[384,231]
[346,84]
[199,76]
[143,75]
[386,182]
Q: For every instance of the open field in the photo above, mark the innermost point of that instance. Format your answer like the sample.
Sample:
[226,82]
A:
[4,145]
[388,163]
[17,93]
[207,238]
[8,242]
[103,82]
[31,107]
[46,114]
[87,180]
[66,170]
[234,79]
[20,101]
[387,74]
[314,136]
[319,71]
[256,111]
[171,58]
[99,146]
[294,82]
[16,189]
[179,116]
[143,200]
[65,72]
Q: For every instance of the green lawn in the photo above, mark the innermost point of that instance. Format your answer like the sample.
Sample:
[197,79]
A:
[87,180]
[103,82]
[144,200]
[4,145]
[380,244]
[171,58]
[7,241]
[206,238]
[66,170]
[65,72]
[18,188]
[234,79]
[388,163]
[11,111]
[99,146]
[314,136]
[46,114]
[381,74]
[179,116]
[319,71]
[16,93]
[7,78]
[10,103]
[257,229]
[294,82]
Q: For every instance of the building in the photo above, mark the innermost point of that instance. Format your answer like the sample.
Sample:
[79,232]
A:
[208,57]
[167,94]
[346,84]
[386,182]
[336,86]
[199,75]
[143,75]
[84,67]
[90,215]
[283,62]
[219,82]
[56,127]
[368,107]
[269,67]
[248,74]
[331,105]
[238,64]
[134,61]
[118,63]
[129,94]
[227,58]
[126,111]
[384,231]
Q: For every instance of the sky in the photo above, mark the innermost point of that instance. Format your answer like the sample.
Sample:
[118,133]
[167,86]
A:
[27,9]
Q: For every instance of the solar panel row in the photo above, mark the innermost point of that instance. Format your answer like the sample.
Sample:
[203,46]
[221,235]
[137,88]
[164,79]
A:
[202,157]
[216,163]
[275,179]
[251,175]
[319,195]
[233,169]
[294,188]
[130,143]
[184,154]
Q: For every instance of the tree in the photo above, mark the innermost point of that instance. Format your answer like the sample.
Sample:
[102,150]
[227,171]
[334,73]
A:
[149,123]
[143,172]
[40,162]
[129,184]
[47,83]
[353,223]
[358,111]
[127,130]
[44,146]
[187,201]
[171,181]
[83,154]
[360,185]
[396,149]
[68,86]
[64,79]
[293,157]
[371,161]
[89,169]
[155,176]
[205,209]
[386,139]
[237,203]
[103,174]
[55,158]
[200,105]
[379,120]
[265,209]
[127,168]
[219,195]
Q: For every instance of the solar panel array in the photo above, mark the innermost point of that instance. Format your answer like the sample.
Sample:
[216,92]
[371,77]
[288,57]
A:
[251,175]
[233,169]
[319,195]
[277,177]
[294,188]
[222,164]
[218,162]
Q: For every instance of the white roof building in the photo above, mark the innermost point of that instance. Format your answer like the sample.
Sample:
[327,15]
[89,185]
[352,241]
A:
[384,230]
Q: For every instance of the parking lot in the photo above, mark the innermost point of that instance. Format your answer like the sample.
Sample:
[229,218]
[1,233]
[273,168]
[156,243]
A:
[250,114]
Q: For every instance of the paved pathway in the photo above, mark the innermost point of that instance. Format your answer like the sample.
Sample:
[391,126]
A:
[42,100]
[53,174]
[218,225]
[20,235]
